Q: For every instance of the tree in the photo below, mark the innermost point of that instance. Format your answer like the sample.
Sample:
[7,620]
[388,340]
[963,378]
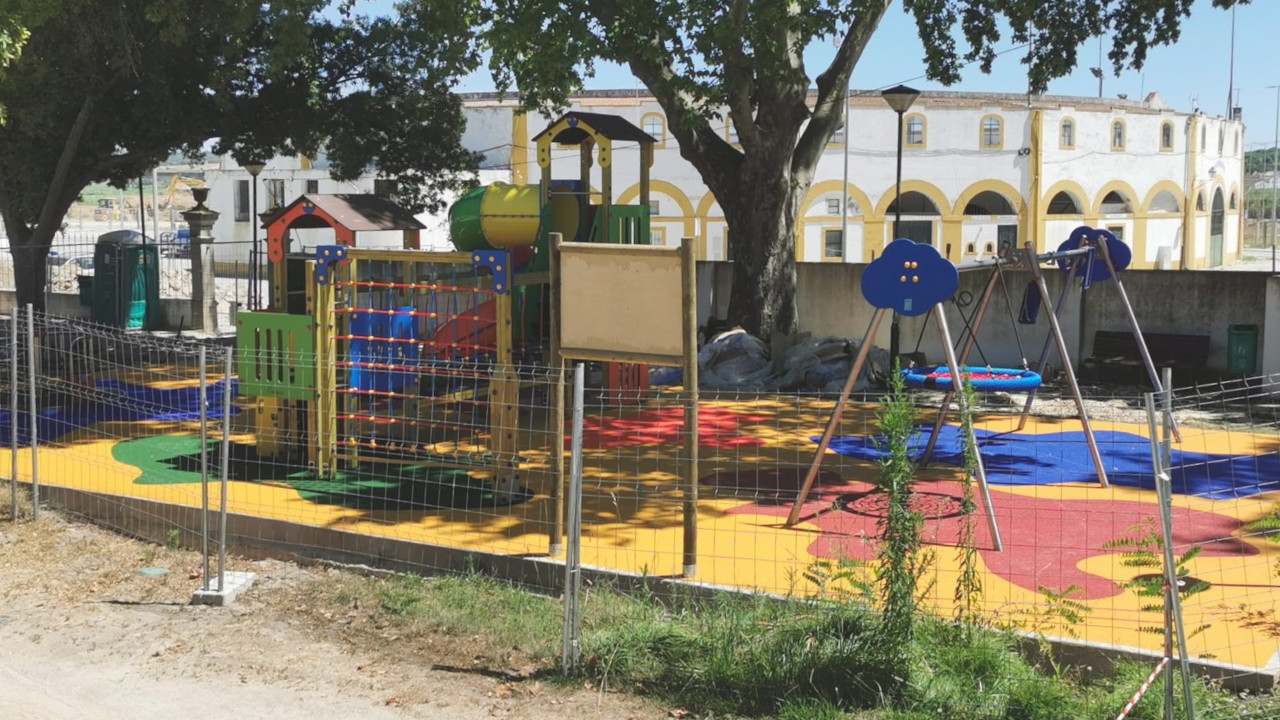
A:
[743,60]
[105,89]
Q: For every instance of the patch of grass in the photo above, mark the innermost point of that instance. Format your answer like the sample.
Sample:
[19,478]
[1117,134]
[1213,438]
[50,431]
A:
[494,617]
[476,605]
[980,675]
[6,502]
[740,655]
[810,709]
[736,656]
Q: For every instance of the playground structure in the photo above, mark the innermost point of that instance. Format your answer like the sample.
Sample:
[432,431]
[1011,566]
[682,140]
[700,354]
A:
[410,357]
[913,279]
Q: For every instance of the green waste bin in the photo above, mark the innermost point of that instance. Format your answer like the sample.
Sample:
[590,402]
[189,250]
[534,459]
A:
[126,284]
[1242,349]
[86,290]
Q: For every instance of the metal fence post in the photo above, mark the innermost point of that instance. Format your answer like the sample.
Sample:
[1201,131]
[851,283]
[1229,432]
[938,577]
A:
[226,462]
[1161,433]
[573,555]
[35,413]
[204,468]
[13,408]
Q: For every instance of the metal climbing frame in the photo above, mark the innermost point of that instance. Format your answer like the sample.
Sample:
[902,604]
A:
[415,361]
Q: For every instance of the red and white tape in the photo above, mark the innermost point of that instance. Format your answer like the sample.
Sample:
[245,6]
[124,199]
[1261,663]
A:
[1143,690]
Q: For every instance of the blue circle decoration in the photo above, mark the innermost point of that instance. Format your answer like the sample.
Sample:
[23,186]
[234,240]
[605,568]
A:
[1085,236]
[983,379]
[910,277]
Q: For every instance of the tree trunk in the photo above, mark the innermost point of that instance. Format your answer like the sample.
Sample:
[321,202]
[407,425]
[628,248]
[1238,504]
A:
[762,241]
[30,267]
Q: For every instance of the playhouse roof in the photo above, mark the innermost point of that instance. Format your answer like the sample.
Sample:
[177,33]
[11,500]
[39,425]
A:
[354,212]
[610,126]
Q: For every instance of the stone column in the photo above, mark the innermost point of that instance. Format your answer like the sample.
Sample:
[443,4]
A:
[204,297]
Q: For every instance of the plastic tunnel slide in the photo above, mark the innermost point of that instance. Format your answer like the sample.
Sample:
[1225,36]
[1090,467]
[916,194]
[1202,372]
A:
[508,217]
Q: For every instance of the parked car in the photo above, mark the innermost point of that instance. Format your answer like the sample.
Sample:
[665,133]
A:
[81,263]
[176,244]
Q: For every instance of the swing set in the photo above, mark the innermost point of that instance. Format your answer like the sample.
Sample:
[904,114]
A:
[913,279]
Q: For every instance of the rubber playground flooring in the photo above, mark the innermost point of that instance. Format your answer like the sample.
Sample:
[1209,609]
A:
[1056,521]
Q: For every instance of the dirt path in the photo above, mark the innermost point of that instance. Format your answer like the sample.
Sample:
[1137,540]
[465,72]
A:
[84,634]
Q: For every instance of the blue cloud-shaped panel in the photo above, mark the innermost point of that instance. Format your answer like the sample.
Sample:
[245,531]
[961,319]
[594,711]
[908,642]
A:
[1121,254]
[910,278]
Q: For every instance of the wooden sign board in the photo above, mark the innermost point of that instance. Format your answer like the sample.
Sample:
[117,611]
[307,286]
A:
[624,303]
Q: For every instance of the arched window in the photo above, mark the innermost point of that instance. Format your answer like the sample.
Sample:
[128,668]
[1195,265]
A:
[1064,203]
[655,125]
[1166,136]
[1117,135]
[1235,200]
[1204,137]
[1115,203]
[1200,201]
[914,132]
[992,133]
[1164,202]
[1067,134]
[1222,139]
[989,202]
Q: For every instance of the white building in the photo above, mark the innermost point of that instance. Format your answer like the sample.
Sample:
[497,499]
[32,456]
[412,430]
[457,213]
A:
[979,170]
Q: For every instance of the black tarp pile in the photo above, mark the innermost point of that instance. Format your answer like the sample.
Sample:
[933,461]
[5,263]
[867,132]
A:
[735,360]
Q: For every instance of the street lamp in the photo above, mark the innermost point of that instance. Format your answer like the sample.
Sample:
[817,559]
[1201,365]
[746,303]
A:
[255,256]
[900,98]
[1275,176]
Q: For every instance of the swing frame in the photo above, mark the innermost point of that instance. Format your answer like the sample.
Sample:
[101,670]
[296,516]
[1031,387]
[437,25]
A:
[1025,259]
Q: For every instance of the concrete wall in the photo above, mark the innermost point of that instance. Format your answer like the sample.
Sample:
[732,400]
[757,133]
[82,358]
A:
[831,303]
[1198,303]
[1270,342]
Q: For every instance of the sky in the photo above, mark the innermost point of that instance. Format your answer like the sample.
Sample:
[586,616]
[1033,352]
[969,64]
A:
[1191,74]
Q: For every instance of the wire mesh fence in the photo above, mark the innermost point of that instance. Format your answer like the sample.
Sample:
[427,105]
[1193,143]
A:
[347,443]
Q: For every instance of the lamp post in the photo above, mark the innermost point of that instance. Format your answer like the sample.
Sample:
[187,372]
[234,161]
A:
[255,169]
[900,98]
[1275,175]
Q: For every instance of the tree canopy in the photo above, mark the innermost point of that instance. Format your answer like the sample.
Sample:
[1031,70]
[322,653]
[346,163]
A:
[103,90]
[744,60]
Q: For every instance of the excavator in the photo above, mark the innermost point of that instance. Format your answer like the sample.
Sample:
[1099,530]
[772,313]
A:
[175,183]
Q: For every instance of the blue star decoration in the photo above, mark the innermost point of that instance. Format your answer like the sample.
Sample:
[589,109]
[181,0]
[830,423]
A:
[910,278]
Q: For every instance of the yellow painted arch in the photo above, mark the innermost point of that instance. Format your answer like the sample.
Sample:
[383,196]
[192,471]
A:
[1164,185]
[1217,187]
[704,205]
[929,190]
[999,187]
[1121,187]
[819,189]
[671,191]
[1073,189]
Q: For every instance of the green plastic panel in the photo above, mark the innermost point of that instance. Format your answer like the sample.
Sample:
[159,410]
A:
[276,355]
[628,224]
